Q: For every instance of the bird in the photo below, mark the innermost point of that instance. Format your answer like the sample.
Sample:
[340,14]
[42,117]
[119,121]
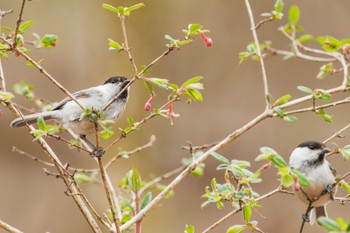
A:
[68,112]
[309,158]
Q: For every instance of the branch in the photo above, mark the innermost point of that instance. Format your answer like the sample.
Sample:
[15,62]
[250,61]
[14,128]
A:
[229,215]
[231,137]
[19,21]
[9,228]
[108,194]
[337,134]
[257,44]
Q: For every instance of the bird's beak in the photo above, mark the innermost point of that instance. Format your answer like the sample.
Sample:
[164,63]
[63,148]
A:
[326,150]
[125,83]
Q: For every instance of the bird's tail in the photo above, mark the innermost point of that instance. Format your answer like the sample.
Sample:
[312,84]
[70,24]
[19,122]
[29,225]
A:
[32,118]
[316,213]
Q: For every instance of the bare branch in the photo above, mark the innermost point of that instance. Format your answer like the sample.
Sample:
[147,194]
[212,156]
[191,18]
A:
[9,228]
[19,21]
[259,54]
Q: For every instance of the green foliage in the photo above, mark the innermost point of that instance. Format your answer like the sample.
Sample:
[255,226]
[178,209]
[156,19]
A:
[281,114]
[114,46]
[331,44]
[325,70]
[345,151]
[277,12]
[294,14]
[134,180]
[82,178]
[24,88]
[46,42]
[334,226]
[252,51]
[199,169]
[237,229]
[125,11]
[284,171]
[189,229]
[43,130]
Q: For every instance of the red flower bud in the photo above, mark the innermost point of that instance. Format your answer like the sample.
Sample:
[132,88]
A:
[149,103]
[296,185]
[17,54]
[267,166]
[208,41]
[171,112]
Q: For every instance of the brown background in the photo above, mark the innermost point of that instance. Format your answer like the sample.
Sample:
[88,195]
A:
[233,95]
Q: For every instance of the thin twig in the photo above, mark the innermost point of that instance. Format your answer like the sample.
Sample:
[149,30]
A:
[9,228]
[126,44]
[137,125]
[108,194]
[123,154]
[336,134]
[229,215]
[259,54]
[19,21]
[228,139]
[263,21]
[160,178]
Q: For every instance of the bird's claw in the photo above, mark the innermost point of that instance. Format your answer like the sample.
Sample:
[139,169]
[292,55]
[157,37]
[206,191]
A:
[305,217]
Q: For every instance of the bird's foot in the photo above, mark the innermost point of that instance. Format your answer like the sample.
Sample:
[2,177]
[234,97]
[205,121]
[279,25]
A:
[305,217]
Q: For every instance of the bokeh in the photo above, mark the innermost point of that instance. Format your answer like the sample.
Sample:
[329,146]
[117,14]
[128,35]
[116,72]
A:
[233,95]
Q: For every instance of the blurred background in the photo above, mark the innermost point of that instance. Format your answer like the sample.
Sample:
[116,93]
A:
[233,95]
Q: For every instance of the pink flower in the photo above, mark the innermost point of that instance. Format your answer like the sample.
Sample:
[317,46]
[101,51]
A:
[296,185]
[171,113]
[208,41]
[149,103]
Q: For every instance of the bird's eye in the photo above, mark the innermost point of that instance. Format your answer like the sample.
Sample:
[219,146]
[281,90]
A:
[311,147]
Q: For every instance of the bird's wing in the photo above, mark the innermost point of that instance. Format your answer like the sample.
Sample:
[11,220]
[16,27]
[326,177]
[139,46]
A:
[334,172]
[78,95]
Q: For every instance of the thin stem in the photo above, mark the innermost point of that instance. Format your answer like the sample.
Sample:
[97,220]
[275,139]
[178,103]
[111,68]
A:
[126,45]
[9,228]
[336,134]
[19,21]
[108,194]
[258,51]
[229,215]
[160,178]
[228,139]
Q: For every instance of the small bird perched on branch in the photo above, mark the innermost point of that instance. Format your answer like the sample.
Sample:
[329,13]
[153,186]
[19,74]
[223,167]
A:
[68,112]
[309,158]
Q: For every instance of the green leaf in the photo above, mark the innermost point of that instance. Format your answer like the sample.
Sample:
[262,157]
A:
[305,89]
[279,6]
[189,229]
[287,180]
[190,81]
[305,38]
[294,14]
[82,178]
[282,100]
[194,27]
[278,161]
[41,123]
[302,179]
[146,200]
[132,8]
[110,8]
[329,224]
[237,229]
[196,95]
[345,151]
[114,46]
[220,158]
[24,26]
[148,86]
[247,212]
[6,95]
[345,186]
[291,119]
[134,180]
